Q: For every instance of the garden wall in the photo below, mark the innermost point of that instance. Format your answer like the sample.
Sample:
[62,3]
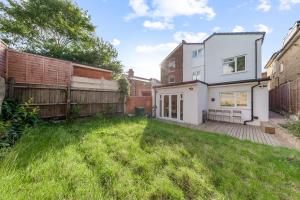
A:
[136,101]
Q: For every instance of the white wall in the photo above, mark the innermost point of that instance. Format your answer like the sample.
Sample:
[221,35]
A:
[191,104]
[220,47]
[261,100]
[102,84]
[191,64]
[214,92]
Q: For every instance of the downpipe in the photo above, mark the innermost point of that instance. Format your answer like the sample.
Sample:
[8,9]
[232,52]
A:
[252,104]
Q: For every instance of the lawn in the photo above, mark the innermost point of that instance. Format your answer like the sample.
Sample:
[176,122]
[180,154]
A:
[137,158]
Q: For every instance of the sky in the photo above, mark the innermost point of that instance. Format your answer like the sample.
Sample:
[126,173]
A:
[144,32]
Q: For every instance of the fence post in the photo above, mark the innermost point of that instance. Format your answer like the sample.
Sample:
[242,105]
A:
[11,88]
[68,103]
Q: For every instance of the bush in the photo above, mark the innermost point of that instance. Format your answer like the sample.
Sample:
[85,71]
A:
[294,128]
[16,117]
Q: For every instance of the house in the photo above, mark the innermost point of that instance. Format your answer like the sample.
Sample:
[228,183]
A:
[284,65]
[219,79]
[140,86]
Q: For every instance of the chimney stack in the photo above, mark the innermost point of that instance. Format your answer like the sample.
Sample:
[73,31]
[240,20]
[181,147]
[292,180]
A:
[130,73]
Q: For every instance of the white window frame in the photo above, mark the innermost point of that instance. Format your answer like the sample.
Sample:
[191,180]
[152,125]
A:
[235,96]
[235,64]
[196,75]
[172,65]
[197,53]
[171,76]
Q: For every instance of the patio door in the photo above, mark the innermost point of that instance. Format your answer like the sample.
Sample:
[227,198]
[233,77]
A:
[172,106]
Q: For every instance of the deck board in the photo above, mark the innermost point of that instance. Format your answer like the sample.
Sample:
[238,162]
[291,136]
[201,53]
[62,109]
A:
[240,131]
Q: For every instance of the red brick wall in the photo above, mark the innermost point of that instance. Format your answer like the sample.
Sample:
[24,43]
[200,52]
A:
[132,102]
[178,73]
[91,73]
[35,69]
[139,88]
[2,59]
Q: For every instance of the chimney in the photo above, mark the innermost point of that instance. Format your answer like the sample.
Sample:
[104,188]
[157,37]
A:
[130,73]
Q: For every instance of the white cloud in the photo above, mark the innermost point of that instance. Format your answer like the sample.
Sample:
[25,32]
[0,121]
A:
[190,36]
[216,29]
[139,7]
[264,5]
[159,48]
[157,25]
[238,29]
[115,42]
[263,28]
[168,9]
[287,4]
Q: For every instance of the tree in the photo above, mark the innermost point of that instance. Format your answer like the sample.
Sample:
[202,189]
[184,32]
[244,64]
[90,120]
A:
[56,28]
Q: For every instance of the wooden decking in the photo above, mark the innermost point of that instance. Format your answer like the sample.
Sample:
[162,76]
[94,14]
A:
[242,132]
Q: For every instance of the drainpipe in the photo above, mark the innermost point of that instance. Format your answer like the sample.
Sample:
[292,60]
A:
[252,104]
[154,103]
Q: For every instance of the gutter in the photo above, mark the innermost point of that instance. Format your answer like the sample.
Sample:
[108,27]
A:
[252,103]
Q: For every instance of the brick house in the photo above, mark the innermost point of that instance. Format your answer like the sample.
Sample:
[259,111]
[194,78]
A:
[284,65]
[140,86]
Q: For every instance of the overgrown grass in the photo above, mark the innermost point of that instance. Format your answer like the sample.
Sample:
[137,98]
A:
[143,159]
[294,128]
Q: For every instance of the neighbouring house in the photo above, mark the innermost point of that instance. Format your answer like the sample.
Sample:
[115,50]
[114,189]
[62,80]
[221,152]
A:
[140,92]
[219,79]
[140,86]
[284,65]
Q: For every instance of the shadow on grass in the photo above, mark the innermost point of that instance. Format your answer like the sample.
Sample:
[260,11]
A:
[236,169]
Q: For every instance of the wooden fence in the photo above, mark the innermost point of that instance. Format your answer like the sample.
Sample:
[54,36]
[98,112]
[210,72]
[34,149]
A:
[62,101]
[286,98]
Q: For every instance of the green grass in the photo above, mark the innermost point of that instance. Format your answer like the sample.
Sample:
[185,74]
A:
[293,127]
[143,159]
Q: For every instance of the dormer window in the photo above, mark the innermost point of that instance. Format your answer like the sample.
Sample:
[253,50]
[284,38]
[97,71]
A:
[172,65]
[197,53]
[234,64]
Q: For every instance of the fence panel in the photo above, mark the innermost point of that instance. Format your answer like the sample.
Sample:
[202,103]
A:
[286,97]
[53,100]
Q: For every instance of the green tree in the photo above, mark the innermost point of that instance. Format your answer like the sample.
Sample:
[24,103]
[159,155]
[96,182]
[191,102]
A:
[56,28]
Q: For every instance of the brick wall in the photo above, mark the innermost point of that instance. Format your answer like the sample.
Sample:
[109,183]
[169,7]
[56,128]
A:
[291,66]
[133,102]
[178,73]
[2,59]
[91,73]
[35,69]
[139,88]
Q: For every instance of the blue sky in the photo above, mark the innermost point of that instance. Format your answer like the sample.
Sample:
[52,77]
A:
[145,31]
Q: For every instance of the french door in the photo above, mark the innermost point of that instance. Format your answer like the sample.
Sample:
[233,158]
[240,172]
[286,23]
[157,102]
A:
[171,106]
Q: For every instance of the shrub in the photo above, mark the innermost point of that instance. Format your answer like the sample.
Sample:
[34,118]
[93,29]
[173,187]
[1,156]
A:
[16,117]
[294,128]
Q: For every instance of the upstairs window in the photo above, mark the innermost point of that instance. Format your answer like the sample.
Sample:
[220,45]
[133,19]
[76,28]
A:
[281,67]
[196,76]
[197,53]
[234,64]
[171,79]
[172,65]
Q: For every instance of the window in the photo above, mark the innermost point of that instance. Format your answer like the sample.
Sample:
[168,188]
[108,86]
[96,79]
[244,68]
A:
[197,53]
[171,79]
[235,64]
[172,65]
[181,107]
[196,75]
[233,99]
[146,93]
[166,106]
[174,106]
[227,99]
[281,67]
[241,99]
